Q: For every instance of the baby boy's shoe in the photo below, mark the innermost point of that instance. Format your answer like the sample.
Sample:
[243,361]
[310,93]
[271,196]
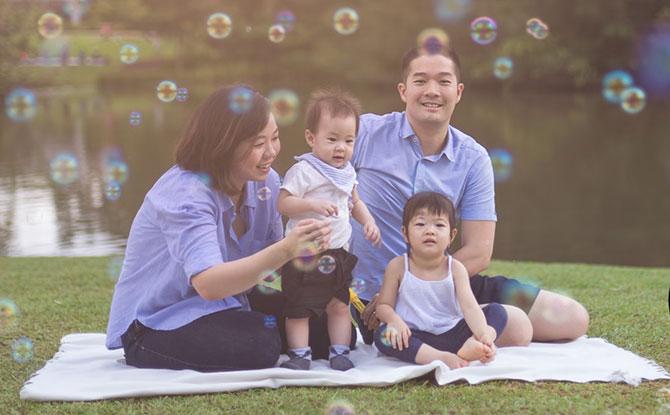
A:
[338,357]
[299,359]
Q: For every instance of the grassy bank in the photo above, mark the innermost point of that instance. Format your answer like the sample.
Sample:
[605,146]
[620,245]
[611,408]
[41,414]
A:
[628,307]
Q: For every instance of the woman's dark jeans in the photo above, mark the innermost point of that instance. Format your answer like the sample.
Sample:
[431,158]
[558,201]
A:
[225,340]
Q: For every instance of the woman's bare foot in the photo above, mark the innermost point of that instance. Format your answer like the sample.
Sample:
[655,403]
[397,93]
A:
[473,350]
[453,361]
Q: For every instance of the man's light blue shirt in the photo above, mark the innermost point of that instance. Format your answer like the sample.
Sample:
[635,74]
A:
[183,228]
[391,167]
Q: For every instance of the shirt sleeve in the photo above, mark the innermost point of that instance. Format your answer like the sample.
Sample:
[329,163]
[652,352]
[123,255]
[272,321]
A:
[360,143]
[190,231]
[478,202]
[296,180]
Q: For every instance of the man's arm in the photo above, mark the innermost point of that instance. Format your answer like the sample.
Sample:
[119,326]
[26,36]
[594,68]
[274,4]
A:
[477,238]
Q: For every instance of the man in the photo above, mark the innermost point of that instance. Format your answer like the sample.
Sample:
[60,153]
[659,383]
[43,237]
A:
[399,154]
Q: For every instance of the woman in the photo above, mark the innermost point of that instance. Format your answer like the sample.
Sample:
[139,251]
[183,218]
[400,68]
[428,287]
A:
[207,232]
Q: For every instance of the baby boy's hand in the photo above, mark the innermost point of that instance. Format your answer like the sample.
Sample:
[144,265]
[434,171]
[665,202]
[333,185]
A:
[324,207]
[372,234]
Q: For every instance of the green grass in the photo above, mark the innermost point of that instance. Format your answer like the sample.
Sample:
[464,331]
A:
[628,307]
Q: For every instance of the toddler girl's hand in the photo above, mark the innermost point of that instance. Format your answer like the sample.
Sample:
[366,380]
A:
[397,334]
[324,207]
[372,234]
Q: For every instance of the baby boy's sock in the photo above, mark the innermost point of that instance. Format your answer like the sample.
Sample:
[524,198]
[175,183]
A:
[300,359]
[338,356]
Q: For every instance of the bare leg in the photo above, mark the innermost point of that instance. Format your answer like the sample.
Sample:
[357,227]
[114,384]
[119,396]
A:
[556,317]
[518,330]
[297,332]
[427,354]
[339,322]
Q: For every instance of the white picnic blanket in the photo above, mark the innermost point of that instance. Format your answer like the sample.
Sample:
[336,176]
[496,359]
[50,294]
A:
[83,370]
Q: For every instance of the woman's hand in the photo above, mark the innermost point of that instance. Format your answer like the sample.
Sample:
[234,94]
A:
[309,232]
[369,315]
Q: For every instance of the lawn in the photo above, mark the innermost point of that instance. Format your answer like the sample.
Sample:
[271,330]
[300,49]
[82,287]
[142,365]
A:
[628,307]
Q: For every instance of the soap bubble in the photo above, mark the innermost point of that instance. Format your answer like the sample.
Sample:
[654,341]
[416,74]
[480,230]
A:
[276,33]
[64,169]
[450,10]
[633,100]
[340,407]
[483,30]
[326,264]
[182,94]
[114,267]
[50,25]
[240,99]
[264,193]
[135,119]
[112,191]
[8,314]
[166,91]
[614,83]
[502,67]
[129,54]
[265,289]
[269,275]
[219,25]
[270,321]
[390,331]
[116,171]
[20,105]
[22,350]
[358,285]
[306,257]
[284,104]
[502,161]
[345,21]
[537,28]
[286,18]
[432,40]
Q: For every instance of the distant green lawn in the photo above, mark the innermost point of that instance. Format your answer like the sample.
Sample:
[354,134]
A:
[628,307]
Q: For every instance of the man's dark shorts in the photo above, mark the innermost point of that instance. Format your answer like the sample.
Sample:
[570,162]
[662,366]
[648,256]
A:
[498,289]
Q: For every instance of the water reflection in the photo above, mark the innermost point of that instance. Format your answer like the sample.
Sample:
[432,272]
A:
[589,183]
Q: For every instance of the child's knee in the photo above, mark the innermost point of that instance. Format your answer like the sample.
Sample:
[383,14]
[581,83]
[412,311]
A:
[337,308]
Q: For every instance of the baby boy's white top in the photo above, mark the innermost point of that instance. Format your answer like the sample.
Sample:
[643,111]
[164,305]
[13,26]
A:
[305,181]
[429,306]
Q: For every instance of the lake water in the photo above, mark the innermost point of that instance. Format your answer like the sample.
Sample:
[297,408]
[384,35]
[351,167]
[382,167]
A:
[579,180]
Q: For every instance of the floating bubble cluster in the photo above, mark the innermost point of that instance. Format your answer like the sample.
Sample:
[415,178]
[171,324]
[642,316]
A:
[50,25]
[345,21]
[22,350]
[502,67]
[614,83]
[326,264]
[537,28]
[20,105]
[166,91]
[633,100]
[270,321]
[264,193]
[306,257]
[64,169]
[182,94]
[276,33]
[116,171]
[135,118]
[502,161]
[219,25]
[432,40]
[240,100]
[483,30]
[284,104]
[129,54]
[286,18]
[449,11]
[8,314]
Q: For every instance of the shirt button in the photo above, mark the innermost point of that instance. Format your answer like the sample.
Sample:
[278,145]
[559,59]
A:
[414,139]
